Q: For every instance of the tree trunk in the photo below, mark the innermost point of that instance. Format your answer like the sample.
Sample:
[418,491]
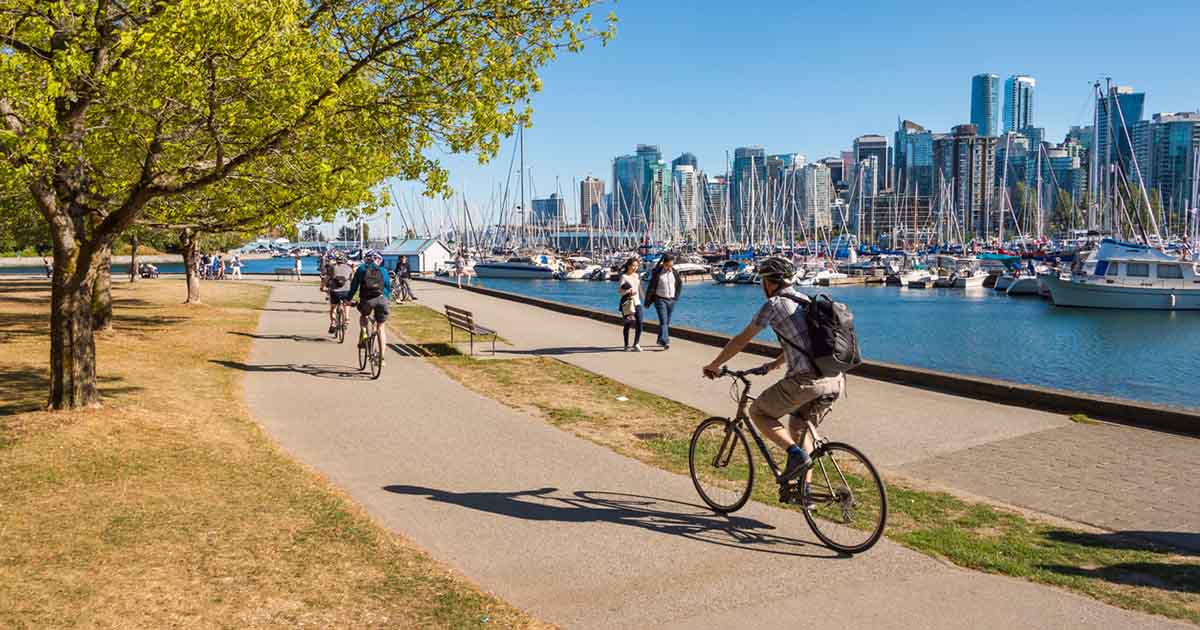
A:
[133,263]
[188,240]
[102,307]
[72,346]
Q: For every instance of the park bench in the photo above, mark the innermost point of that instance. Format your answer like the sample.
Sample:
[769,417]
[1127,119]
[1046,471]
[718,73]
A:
[465,321]
[282,273]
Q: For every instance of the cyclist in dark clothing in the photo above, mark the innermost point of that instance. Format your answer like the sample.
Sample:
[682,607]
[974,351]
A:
[374,288]
[403,273]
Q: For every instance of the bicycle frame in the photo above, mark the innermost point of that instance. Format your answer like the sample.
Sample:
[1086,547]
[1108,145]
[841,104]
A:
[743,419]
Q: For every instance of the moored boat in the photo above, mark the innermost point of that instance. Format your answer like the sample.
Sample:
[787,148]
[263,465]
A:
[1130,276]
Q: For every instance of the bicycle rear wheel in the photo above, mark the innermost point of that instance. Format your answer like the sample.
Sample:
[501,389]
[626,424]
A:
[846,503]
[376,344]
[721,465]
[341,325]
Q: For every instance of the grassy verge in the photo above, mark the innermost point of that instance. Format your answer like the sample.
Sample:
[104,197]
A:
[168,507]
[1125,572]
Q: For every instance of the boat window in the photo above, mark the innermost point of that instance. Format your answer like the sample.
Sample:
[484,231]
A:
[1137,270]
[1114,269]
[1170,272]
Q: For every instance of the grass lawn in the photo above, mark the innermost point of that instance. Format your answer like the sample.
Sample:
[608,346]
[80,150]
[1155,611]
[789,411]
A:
[169,507]
[1124,572]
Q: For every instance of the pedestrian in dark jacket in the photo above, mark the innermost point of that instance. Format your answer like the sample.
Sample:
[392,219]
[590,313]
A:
[664,290]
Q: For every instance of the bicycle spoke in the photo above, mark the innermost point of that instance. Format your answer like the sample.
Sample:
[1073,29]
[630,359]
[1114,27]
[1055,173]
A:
[848,509]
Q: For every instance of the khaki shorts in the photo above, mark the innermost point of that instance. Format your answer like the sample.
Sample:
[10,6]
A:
[795,395]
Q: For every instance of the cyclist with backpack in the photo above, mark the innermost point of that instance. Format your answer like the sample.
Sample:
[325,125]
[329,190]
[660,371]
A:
[819,345]
[374,289]
[337,273]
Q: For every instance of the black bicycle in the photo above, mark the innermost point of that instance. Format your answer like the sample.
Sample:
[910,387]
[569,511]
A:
[841,494]
[370,351]
[340,323]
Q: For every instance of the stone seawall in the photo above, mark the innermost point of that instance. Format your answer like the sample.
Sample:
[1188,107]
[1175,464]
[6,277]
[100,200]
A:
[1159,417]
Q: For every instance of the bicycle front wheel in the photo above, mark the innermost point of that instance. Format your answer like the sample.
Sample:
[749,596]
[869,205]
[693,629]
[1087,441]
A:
[376,354]
[846,503]
[721,466]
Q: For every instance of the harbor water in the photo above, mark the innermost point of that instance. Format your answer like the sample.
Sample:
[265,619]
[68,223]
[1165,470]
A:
[1151,356]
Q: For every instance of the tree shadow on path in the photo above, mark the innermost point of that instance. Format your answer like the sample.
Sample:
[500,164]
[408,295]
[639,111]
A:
[308,338]
[663,516]
[1180,578]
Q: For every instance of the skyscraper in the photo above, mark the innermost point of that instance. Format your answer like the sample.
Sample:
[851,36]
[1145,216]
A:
[549,210]
[628,188]
[1018,102]
[877,146]
[816,197]
[686,197]
[685,159]
[746,185]
[1117,113]
[837,169]
[967,161]
[591,201]
[985,104]
[913,159]
[1171,157]
[716,218]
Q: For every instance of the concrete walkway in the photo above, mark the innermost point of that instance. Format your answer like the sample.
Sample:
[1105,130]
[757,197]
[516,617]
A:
[1112,477]
[578,535]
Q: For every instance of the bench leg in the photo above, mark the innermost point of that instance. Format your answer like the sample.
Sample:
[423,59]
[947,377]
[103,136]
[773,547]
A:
[493,345]
[472,344]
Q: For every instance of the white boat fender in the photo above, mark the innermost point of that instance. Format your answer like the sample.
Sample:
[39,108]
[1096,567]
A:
[1172,300]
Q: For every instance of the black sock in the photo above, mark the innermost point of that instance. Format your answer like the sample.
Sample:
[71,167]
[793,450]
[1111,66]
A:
[795,449]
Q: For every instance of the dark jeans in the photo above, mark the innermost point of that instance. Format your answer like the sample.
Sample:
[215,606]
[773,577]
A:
[636,321]
[664,308]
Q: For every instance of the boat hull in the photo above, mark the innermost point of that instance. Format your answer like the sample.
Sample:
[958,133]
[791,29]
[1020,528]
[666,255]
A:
[1003,282]
[1093,295]
[1025,285]
[969,282]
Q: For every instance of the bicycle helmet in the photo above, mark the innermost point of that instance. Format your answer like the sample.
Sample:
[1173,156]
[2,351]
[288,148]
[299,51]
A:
[776,269]
[372,256]
[339,256]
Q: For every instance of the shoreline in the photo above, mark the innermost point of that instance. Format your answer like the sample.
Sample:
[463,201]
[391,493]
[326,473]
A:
[1173,419]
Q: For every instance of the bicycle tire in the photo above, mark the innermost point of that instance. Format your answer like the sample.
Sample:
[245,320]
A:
[376,344]
[341,325]
[823,526]
[719,474]
[363,352]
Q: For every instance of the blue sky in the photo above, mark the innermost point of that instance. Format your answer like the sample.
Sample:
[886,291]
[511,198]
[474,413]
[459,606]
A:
[807,77]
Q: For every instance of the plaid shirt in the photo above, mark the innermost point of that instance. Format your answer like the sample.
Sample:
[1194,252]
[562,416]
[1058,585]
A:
[786,318]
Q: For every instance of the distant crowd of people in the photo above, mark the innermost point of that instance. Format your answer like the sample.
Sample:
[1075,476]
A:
[217,267]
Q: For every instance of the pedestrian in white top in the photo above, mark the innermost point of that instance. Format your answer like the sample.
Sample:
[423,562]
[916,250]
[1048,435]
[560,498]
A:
[663,292]
[299,267]
[237,267]
[629,287]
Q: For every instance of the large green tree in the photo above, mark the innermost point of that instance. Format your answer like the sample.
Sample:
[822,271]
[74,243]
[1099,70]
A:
[110,108]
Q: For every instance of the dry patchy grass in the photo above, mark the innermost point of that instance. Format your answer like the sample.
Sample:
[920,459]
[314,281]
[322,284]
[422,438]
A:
[169,507]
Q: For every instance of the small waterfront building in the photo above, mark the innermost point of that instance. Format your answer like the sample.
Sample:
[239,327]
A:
[425,255]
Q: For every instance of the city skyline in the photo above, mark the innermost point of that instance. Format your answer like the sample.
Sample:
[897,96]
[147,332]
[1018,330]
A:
[717,97]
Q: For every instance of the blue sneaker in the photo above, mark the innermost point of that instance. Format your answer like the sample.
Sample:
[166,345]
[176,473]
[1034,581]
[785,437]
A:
[798,461]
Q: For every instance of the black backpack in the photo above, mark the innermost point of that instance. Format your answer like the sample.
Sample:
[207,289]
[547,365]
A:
[372,282]
[831,332]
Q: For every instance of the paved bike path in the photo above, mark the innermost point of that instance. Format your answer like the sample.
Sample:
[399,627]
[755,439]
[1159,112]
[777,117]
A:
[1114,477]
[578,535]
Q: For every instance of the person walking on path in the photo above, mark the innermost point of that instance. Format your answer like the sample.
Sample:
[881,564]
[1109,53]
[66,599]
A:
[403,273]
[629,287]
[460,268]
[299,268]
[662,293]
[237,267]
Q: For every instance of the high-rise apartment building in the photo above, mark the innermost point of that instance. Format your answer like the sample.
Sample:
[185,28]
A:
[685,159]
[592,210]
[985,104]
[629,187]
[967,161]
[837,169]
[876,146]
[816,198]
[1167,147]
[716,208]
[1018,102]
[686,195]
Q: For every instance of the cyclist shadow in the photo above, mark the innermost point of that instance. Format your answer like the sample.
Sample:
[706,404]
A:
[321,371]
[664,516]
